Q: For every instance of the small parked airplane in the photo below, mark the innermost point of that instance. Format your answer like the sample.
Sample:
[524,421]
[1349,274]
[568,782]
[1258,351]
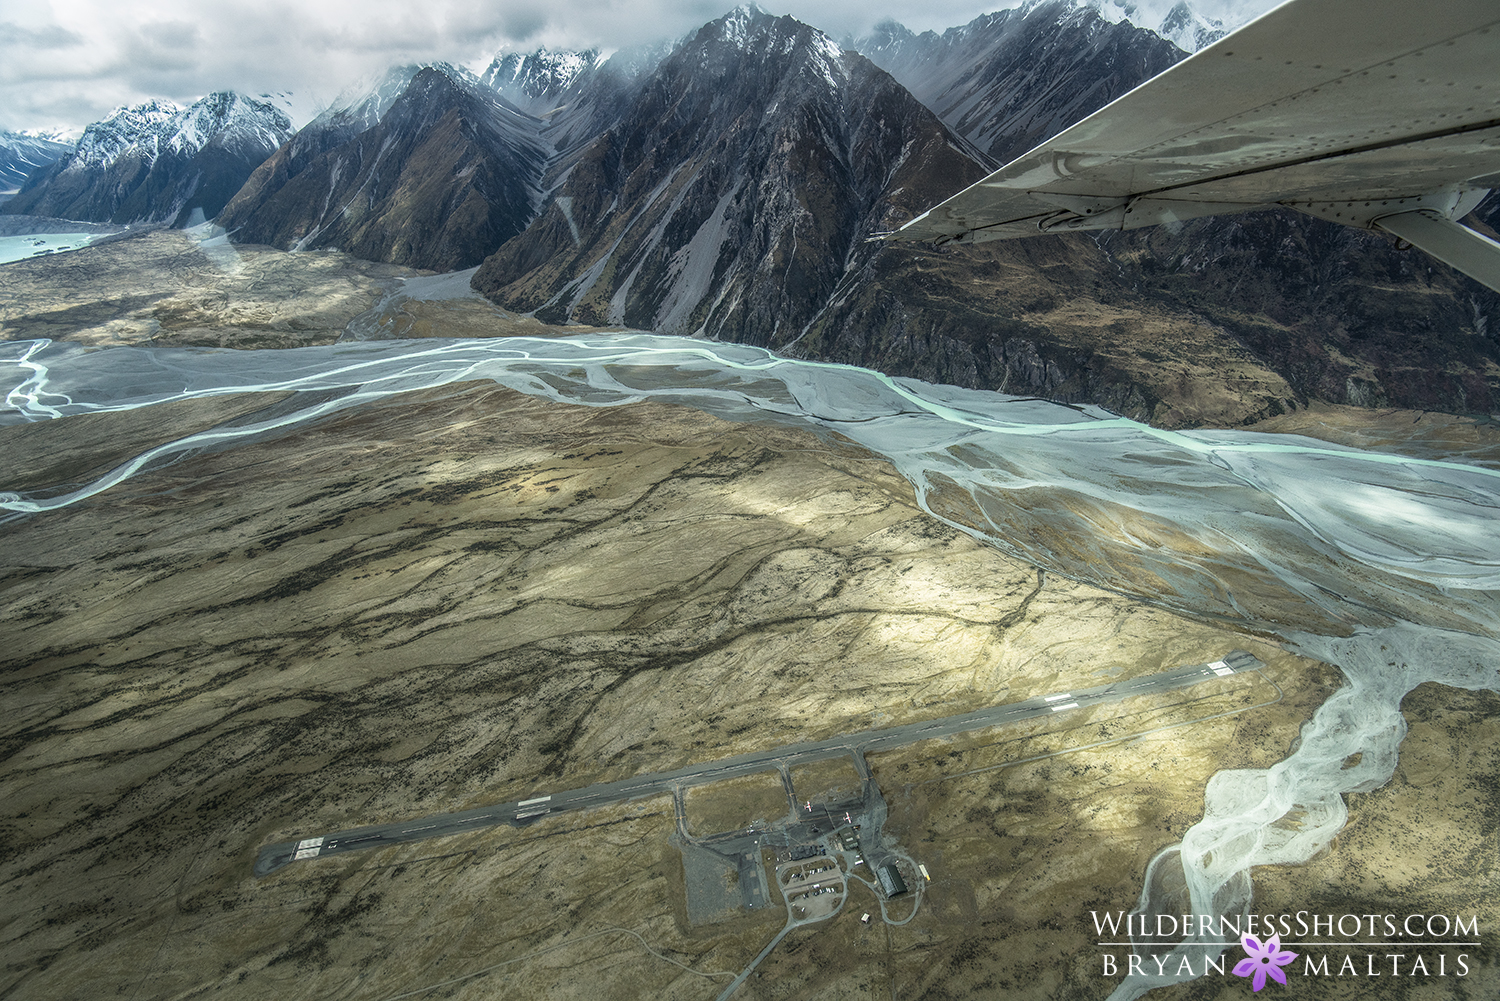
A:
[1380,114]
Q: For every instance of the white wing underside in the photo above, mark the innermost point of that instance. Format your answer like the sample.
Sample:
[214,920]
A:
[1374,113]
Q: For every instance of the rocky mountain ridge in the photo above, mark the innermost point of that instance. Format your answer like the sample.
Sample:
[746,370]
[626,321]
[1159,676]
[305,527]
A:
[727,187]
[536,81]
[576,95]
[1190,30]
[1009,81]
[157,162]
[1180,23]
[22,153]
[430,169]
[681,218]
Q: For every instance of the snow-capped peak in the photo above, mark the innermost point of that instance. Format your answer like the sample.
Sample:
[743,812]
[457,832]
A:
[891,32]
[53,135]
[232,120]
[750,29]
[736,25]
[149,129]
[1190,30]
[25,151]
[1177,21]
[154,110]
[366,102]
[106,140]
[539,72]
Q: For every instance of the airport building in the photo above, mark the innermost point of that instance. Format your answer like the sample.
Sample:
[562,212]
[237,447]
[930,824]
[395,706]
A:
[890,880]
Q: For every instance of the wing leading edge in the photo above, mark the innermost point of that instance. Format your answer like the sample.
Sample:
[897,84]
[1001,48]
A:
[1381,114]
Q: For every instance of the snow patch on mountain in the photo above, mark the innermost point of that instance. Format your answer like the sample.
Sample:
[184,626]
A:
[233,121]
[55,135]
[1190,30]
[1177,21]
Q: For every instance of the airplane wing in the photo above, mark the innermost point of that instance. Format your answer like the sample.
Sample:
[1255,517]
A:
[1381,114]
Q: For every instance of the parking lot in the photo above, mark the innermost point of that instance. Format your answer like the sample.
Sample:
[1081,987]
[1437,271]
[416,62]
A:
[813,888]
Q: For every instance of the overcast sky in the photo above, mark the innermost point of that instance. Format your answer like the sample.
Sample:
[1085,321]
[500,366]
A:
[69,62]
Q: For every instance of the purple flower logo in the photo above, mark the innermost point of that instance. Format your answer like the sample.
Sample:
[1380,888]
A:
[1263,960]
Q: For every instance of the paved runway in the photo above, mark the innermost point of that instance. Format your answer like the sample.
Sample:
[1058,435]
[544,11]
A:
[520,813]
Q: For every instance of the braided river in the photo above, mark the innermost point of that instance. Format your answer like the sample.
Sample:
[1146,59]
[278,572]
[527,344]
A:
[1385,565]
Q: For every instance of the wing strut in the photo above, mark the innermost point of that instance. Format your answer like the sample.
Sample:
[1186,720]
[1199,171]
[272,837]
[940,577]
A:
[1475,254]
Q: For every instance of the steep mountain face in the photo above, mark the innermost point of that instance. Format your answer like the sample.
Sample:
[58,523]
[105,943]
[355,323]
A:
[157,162]
[1346,315]
[1224,322]
[23,153]
[731,201]
[1010,80]
[429,169]
[735,193]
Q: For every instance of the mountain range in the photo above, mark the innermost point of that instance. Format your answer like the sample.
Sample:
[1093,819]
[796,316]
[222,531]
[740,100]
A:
[1179,23]
[23,153]
[157,162]
[1011,80]
[733,192]
[726,185]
